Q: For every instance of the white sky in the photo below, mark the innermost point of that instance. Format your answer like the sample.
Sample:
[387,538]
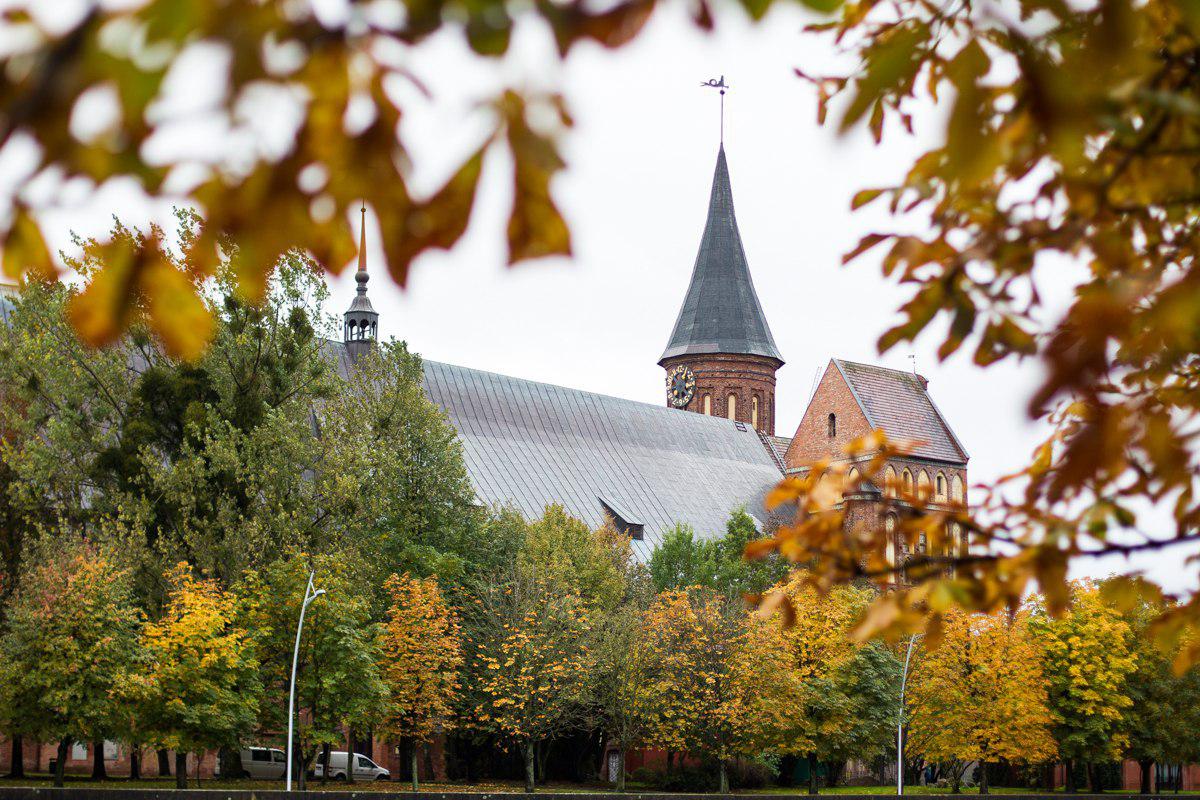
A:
[635,193]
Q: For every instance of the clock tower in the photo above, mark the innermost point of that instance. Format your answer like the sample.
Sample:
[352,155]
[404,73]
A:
[721,358]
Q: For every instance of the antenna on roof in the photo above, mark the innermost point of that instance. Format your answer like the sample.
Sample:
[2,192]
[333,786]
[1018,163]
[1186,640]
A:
[912,358]
[719,83]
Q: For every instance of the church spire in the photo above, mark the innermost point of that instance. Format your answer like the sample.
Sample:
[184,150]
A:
[721,312]
[361,322]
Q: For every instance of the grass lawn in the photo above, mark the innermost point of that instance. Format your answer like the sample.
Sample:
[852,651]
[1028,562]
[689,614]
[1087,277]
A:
[515,787]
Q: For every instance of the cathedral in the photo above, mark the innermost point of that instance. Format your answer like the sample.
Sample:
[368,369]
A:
[712,446]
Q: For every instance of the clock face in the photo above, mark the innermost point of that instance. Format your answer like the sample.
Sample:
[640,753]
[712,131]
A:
[681,385]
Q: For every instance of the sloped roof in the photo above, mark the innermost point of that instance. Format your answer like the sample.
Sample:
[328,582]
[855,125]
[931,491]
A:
[531,444]
[899,403]
[721,312]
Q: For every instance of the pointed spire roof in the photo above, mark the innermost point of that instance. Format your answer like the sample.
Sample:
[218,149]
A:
[361,303]
[721,312]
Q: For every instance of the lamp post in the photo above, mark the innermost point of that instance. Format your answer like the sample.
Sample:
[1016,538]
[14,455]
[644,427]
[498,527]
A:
[309,596]
[900,718]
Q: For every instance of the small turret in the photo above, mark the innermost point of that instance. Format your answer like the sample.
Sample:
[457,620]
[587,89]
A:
[360,328]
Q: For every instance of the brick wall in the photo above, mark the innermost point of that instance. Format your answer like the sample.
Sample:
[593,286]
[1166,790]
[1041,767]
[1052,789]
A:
[746,377]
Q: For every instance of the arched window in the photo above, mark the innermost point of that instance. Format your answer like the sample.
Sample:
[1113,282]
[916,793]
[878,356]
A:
[832,425]
[708,404]
[754,411]
[922,543]
[889,528]
[941,487]
[852,480]
[732,406]
[956,489]
[889,481]
[908,483]
[923,484]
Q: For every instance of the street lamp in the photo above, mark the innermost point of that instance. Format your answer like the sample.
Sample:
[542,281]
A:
[900,717]
[309,596]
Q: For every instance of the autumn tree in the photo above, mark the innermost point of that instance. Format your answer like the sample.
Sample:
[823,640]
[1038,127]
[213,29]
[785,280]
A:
[692,698]
[419,658]
[1087,662]
[980,696]
[338,683]
[530,661]
[199,689]
[70,641]
[824,658]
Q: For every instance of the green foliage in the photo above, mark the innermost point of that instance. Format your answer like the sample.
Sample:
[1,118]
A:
[337,678]
[682,560]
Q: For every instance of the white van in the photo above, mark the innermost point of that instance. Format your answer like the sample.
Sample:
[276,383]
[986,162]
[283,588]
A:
[364,768]
[268,763]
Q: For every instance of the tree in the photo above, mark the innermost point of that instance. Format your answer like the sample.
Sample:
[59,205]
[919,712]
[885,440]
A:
[338,684]
[736,576]
[1087,663]
[824,658]
[1066,140]
[416,512]
[980,695]
[200,686]
[420,655]
[1163,717]
[71,639]
[681,560]
[530,661]
[692,700]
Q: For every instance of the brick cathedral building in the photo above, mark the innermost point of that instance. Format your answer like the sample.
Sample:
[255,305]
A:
[712,446]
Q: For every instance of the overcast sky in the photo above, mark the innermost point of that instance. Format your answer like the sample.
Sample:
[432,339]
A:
[640,167]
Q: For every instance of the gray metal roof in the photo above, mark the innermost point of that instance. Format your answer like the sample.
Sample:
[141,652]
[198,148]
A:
[721,312]
[531,444]
[899,403]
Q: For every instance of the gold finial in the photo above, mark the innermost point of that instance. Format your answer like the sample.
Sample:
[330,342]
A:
[362,241]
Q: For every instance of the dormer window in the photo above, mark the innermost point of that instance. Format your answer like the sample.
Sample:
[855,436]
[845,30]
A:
[832,426]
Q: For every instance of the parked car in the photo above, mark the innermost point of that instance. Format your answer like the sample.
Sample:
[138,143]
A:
[267,763]
[364,768]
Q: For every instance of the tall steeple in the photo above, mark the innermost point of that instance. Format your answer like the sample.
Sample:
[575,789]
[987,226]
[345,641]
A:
[361,321]
[721,342]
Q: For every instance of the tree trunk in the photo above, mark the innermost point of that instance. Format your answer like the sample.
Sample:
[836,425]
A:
[16,768]
[325,750]
[1145,764]
[621,770]
[98,771]
[543,754]
[180,769]
[1091,777]
[723,778]
[349,755]
[812,773]
[135,763]
[956,773]
[199,759]
[64,746]
[301,774]
[416,751]
[230,760]
[529,767]
[670,761]
[983,787]
[1070,787]
[164,764]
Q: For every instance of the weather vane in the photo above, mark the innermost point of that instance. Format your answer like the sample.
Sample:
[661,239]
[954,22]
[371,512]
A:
[719,83]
